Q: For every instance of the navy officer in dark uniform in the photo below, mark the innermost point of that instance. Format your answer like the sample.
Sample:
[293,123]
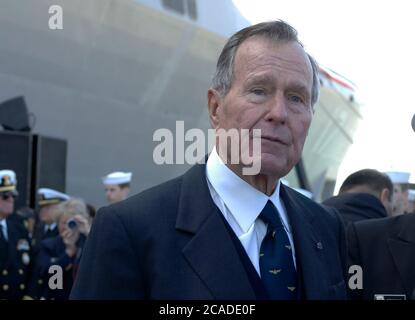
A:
[46,227]
[14,243]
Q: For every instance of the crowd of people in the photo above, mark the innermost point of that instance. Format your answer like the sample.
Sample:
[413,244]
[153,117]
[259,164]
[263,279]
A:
[32,242]
[377,210]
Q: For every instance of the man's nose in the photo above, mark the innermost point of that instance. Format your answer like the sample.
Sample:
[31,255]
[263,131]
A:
[277,109]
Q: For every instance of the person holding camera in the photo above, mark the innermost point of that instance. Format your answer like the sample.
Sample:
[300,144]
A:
[56,264]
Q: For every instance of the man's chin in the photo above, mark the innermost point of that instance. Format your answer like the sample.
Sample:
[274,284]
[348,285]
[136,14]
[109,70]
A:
[271,166]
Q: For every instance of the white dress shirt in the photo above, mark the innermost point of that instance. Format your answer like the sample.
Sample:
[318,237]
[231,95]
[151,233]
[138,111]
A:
[240,203]
[4,229]
[50,227]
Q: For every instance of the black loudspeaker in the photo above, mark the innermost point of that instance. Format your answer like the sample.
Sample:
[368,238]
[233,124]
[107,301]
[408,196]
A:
[38,161]
[14,115]
[49,164]
[16,155]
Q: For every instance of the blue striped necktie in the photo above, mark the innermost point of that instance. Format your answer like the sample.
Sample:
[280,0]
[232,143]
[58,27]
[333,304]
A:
[278,273]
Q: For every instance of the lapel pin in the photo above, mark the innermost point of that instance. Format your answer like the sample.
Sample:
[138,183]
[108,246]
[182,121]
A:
[319,245]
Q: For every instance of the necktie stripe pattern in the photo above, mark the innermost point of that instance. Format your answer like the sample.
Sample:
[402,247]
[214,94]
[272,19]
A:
[278,273]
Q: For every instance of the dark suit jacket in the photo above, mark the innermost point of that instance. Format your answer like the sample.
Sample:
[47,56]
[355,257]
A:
[170,242]
[385,249]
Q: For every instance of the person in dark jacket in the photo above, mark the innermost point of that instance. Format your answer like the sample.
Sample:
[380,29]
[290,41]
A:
[58,258]
[365,194]
[385,250]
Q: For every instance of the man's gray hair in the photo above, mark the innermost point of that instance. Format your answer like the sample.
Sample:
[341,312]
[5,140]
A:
[278,31]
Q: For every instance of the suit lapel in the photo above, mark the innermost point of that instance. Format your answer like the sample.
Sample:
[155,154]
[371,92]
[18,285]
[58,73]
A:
[211,252]
[401,245]
[308,246]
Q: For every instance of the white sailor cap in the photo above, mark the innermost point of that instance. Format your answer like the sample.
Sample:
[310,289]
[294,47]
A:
[8,180]
[117,178]
[398,177]
[49,196]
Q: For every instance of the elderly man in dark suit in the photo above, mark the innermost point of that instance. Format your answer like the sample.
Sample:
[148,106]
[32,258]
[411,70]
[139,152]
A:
[216,232]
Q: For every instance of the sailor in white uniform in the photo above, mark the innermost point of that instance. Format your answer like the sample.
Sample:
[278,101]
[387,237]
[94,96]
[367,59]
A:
[117,186]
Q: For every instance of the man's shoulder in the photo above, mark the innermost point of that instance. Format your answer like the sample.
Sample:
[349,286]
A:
[162,196]
[158,204]
[17,227]
[318,210]
[162,193]
[385,226]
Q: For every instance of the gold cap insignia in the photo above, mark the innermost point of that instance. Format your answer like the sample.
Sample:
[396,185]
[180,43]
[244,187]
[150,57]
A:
[7,181]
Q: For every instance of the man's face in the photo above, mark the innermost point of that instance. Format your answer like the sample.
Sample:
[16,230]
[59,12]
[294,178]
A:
[271,91]
[388,204]
[6,204]
[47,213]
[114,193]
[400,199]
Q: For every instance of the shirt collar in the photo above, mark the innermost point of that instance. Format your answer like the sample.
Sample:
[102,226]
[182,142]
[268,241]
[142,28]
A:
[50,227]
[243,201]
[3,222]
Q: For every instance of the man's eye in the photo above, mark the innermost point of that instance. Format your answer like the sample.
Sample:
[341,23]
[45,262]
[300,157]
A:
[258,91]
[295,98]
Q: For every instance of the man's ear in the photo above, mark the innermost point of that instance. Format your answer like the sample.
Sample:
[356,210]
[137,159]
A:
[385,195]
[214,101]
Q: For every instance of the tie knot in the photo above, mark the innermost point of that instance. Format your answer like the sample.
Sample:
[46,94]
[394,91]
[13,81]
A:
[271,216]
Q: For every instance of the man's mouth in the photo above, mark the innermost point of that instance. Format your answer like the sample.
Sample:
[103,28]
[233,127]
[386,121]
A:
[275,139]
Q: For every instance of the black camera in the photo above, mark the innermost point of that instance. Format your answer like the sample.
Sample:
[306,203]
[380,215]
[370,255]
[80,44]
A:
[72,224]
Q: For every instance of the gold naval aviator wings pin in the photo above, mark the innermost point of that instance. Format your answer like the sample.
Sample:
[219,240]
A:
[275,271]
